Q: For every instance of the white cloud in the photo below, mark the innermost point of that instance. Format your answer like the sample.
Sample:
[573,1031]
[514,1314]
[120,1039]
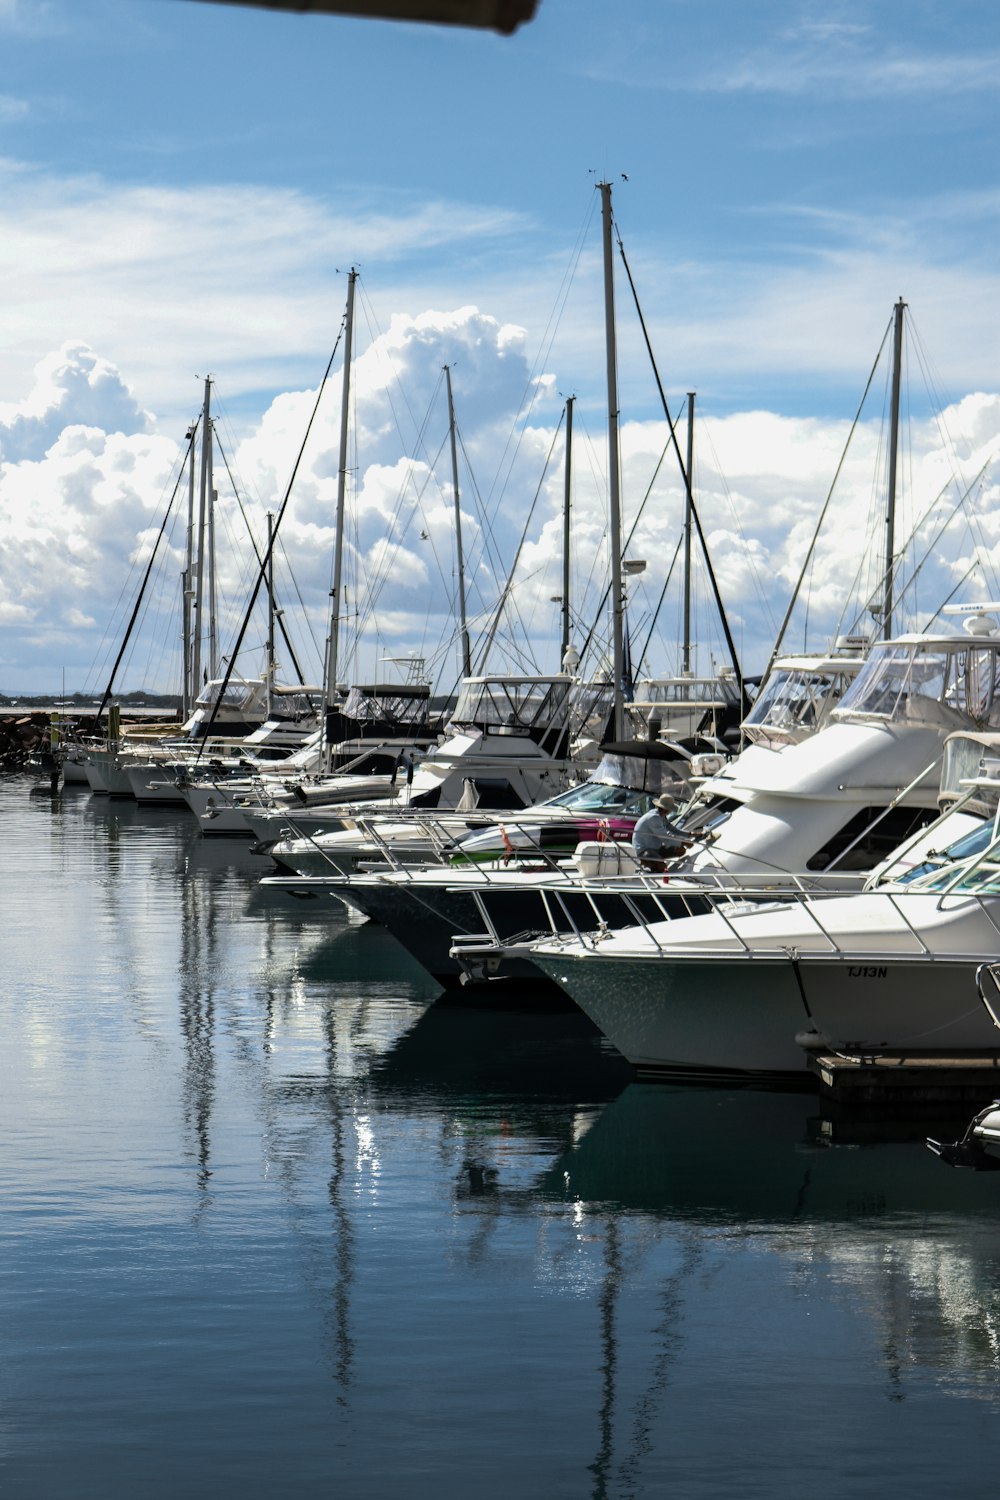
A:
[837,63]
[173,283]
[72,386]
[30,17]
[86,472]
[786,51]
[171,280]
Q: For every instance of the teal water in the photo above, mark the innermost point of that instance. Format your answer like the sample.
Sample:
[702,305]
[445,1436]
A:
[275,1222]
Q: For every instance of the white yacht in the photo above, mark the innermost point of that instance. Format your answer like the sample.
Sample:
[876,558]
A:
[810,813]
[245,717]
[800,692]
[843,798]
[751,988]
[602,807]
[506,745]
[685,705]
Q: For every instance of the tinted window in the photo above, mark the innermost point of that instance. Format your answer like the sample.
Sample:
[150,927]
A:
[873,840]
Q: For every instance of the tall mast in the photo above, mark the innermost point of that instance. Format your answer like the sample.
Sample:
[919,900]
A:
[333,641]
[463,626]
[688,495]
[269,668]
[213,613]
[199,590]
[187,624]
[890,504]
[567,503]
[614,476]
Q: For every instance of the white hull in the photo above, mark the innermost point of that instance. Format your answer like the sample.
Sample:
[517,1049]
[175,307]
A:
[153,783]
[865,981]
[74,772]
[105,775]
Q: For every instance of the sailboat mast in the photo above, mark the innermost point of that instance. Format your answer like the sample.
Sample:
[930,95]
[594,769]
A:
[270,613]
[688,492]
[614,474]
[462,622]
[567,506]
[199,590]
[213,614]
[333,641]
[187,623]
[890,504]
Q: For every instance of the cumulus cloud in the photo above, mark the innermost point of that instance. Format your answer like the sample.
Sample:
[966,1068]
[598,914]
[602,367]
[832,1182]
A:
[238,280]
[73,386]
[249,270]
[85,480]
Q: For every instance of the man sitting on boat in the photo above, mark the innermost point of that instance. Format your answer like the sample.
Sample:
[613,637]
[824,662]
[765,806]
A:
[655,838]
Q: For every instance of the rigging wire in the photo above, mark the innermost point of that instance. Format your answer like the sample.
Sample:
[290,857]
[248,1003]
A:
[826,505]
[270,546]
[278,613]
[532,387]
[505,593]
[149,567]
[694,509]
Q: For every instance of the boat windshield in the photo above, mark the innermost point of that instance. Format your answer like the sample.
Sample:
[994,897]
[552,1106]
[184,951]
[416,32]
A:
[703,692]
[600,797]
[937,683]
[236,693]
[981,879]
[521,703]
[793,702]
[967,847]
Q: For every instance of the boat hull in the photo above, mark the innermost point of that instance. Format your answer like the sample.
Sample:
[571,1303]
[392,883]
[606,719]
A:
[732,1017]
[426,917]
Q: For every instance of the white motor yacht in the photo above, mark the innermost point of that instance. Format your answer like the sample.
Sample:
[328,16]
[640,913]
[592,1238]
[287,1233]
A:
[843,798]
[751,987]
[506,745]
[805,814]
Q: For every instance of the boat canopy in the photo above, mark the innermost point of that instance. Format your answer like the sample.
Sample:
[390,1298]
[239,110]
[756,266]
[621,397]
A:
[639,765]
[798,695]
[402,702]
[686,691]
[514,703]
[931,680]
[238,692]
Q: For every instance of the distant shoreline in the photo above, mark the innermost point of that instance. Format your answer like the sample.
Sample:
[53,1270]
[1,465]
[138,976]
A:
[88,705]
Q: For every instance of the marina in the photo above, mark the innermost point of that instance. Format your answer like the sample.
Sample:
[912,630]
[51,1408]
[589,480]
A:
[278,1218]
[499,751]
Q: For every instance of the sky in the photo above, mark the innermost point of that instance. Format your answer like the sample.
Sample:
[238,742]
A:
[185,187]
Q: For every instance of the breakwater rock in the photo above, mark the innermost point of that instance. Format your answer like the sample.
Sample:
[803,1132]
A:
[20,736]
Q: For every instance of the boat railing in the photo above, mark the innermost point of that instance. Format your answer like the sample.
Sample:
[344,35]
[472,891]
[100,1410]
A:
[905,936]
[572,928]
[989,972]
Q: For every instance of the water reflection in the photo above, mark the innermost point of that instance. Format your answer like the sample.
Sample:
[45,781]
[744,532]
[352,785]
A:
[430,1249]
[913,1247]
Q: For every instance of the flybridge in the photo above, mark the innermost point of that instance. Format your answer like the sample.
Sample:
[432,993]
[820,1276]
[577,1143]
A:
[511,702]
[936,679]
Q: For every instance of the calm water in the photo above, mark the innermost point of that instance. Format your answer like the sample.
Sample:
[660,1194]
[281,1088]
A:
[276,1223]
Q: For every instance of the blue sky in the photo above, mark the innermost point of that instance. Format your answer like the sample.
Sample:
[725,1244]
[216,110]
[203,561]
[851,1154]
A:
[184,185]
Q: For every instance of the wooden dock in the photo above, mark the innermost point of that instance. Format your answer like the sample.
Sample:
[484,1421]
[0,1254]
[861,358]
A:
[897,1077]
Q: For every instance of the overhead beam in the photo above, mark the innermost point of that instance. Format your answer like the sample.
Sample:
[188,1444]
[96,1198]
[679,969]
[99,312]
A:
[491,15]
